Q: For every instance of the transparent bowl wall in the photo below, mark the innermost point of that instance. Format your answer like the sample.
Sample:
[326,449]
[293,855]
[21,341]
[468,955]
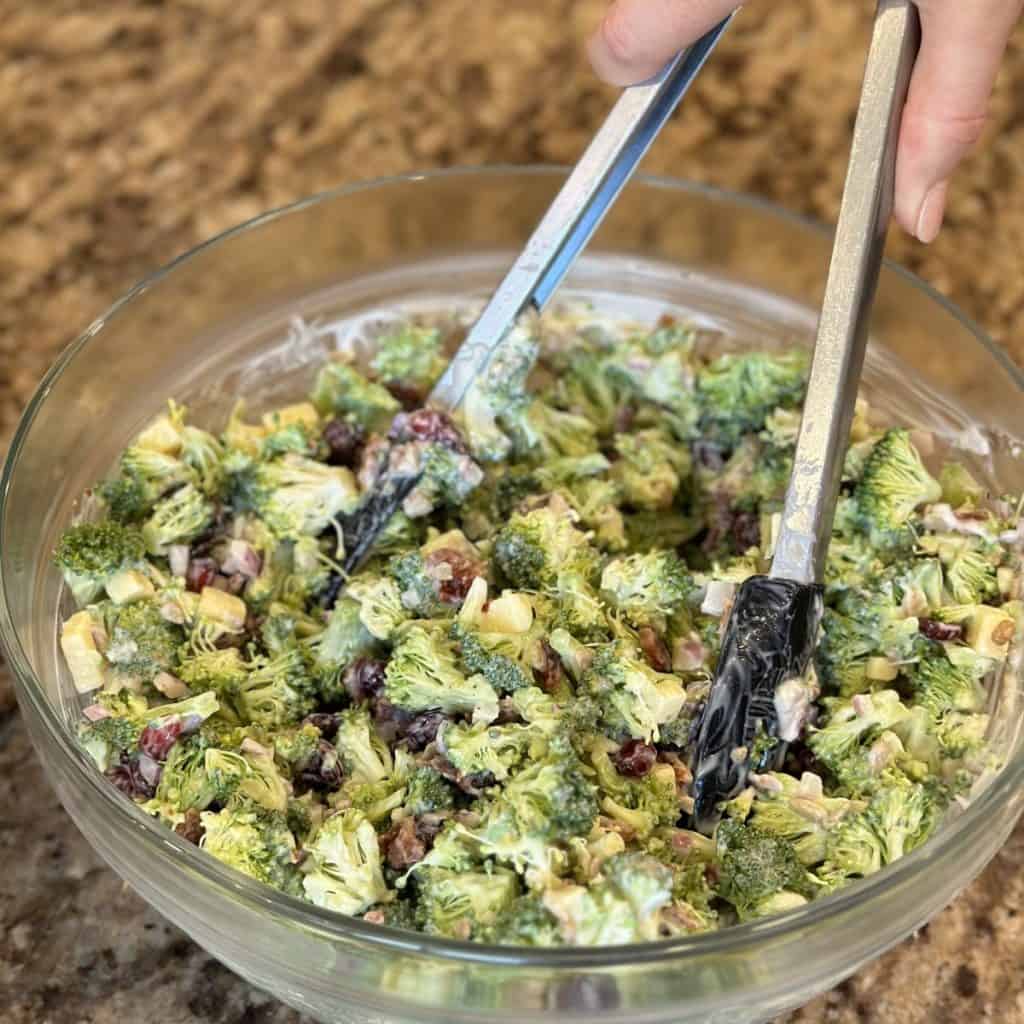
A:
[214,325]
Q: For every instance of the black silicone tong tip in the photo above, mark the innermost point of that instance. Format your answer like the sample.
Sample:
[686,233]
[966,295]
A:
[769,638]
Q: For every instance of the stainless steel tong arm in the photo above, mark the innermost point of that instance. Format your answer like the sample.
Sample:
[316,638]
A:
[574,216]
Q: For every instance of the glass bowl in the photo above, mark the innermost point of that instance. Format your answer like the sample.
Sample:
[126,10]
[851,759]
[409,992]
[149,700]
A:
[217,324]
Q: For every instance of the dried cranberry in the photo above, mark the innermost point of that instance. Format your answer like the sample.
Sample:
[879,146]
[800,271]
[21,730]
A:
[389,720]
[453,573]
[202,572]
[404,846]
[326,722]
[635,758]
[745,530]
[654,649]
[942,631]
[364,679]
[158,740]
[344,441]
[191,829]
[551,672]
[128,777]
[321,771]
[423,729]
[427,425]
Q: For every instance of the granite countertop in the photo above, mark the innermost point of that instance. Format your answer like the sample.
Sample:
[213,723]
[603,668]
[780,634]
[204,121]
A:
[133,129]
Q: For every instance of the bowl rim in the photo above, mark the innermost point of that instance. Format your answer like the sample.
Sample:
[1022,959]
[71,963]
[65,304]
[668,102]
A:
[345,929]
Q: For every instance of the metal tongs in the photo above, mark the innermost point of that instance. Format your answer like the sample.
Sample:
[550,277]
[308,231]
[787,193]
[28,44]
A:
[774,622]
[567,226]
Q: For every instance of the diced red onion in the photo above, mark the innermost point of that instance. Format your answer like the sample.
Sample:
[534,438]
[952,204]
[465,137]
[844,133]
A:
[95,712]
[242,559]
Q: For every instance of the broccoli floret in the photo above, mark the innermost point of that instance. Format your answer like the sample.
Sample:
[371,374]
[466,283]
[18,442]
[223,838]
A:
[642,804]
[417,588]
[365,755]
[624,906]
[544,433]
[502,672]
[738,391]
[381,609]
[899,817]
[294,495]
[525,922]
[344,871]
[755,865]
[448,478]
[894,483]
[960,735]
[340,390]
[187,784]
[343,640]
[799,811]
[204,454]
[587,388]
[90,554]
[850,724]
[463,905]
[177,519]
[151,474]
[105,740]
[124,499]
[255,841]
[650,468]
[543,550]
[278,691]
[647,588]
[428,792]
[541,807]
[142,641]
[499,392]
[497,749]
[410,357]
[658,368]
[939,686]
[971,578]
[634,699]
[222,671]
[959,488]
[423,675]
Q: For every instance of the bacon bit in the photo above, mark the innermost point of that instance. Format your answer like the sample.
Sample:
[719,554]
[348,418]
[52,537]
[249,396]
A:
[404,846]
[95,712]
[550,671]
[655,650]
[941,631]
[375,917]
[170,686]
[191,829]
[635,758]
[453,574]
[683,774]
[427,425]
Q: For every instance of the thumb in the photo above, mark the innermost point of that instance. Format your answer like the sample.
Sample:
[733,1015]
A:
[637,37]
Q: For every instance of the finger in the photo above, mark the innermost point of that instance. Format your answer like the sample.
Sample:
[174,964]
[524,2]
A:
[962,44]
[637,37]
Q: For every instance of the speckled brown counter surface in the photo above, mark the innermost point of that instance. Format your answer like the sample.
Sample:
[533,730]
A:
[133,129]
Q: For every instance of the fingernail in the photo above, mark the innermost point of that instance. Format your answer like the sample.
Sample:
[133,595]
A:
[929,217]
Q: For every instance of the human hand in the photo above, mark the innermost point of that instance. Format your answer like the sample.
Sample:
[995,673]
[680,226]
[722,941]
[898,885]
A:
[962,43]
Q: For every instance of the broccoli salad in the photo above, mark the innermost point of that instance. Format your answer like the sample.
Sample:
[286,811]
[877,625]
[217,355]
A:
[485,733]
